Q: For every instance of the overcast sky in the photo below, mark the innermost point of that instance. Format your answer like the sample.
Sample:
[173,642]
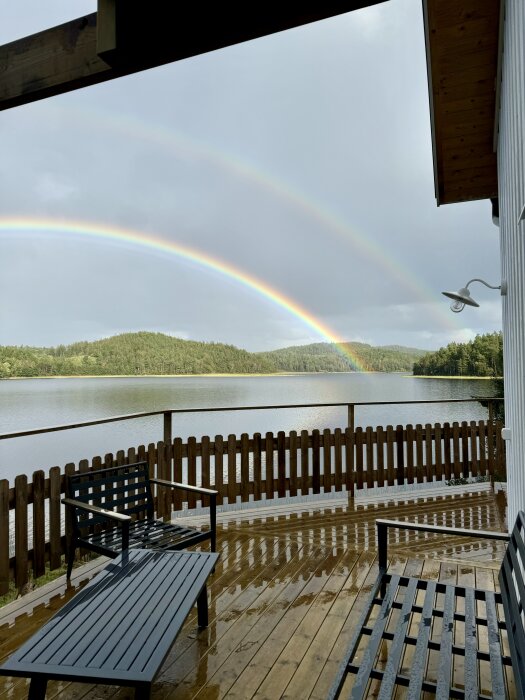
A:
[301,160]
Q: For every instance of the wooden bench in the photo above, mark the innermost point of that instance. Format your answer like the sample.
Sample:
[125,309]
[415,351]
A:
[113,509]
[119,628]
[440,610]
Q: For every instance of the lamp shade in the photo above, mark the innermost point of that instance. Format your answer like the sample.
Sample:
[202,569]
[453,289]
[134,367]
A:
[462,296]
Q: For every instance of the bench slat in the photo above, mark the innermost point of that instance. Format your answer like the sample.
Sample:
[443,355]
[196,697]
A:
[420,655]
[371,650]
[496,669]
[445,654]
[396,650]
[471,647]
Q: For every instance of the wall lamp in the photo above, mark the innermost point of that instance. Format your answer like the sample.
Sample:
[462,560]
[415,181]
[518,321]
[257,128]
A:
[462,297]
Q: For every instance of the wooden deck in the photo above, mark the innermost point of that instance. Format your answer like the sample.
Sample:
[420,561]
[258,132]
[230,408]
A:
[286,593]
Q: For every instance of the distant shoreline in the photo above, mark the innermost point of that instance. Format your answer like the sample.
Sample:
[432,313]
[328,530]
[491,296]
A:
[178,376]
[218,375]
[444,376]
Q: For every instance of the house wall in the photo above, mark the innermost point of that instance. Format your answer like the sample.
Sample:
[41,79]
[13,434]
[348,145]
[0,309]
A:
[511,164]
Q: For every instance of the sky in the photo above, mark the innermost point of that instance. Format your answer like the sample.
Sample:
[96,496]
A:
[273,193]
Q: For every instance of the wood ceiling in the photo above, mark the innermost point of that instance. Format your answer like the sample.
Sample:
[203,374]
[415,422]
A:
[462,61]
[126,36]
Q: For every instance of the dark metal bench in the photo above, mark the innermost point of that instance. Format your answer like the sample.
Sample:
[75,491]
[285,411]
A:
[397,602]
[120,627]
[113,509]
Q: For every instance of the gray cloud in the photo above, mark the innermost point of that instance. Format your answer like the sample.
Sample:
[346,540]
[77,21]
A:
[302,159]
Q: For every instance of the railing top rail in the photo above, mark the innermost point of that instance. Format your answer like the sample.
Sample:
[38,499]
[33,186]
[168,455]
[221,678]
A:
[216,409]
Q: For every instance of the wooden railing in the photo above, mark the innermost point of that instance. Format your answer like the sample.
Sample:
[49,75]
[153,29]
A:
[243,468]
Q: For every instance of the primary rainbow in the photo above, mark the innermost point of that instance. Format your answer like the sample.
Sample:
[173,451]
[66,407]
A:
[29,225]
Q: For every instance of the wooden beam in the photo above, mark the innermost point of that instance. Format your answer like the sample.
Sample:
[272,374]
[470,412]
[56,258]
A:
[134,36]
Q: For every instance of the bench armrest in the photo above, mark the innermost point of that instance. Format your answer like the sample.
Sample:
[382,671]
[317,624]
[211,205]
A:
[121,518]
[185,487]
[383,525]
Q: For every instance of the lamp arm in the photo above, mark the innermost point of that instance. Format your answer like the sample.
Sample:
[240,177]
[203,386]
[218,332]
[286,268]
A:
[477,279]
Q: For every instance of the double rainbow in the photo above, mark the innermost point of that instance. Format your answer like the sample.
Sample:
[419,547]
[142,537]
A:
[14,226]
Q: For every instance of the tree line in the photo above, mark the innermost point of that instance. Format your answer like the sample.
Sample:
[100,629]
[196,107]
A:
[156,353]
[481,357]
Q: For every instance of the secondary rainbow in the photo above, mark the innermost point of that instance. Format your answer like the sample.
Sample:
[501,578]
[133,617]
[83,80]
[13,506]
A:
[31,226]
[330,221]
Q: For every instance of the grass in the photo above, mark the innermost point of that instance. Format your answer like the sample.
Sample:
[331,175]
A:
[14,593]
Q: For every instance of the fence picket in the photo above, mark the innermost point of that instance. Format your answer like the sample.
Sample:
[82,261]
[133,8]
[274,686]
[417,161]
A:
[473,448]
[4,536]
[359,457]
[400,455]
[257,468]
[192,470]
[410,454]
[281,464]
[21,553]
[327,461]
[39,524]
[420,467]
[338,459]
[429,472]
[438,451]
[305,486]
[456,450]
[293,463]
[390,441]
[219,468]
[447,451]
[316,461]
[380,455]
[55,534]
[350,460]
[269,465]
[369,457]
[232,469]
[245,468]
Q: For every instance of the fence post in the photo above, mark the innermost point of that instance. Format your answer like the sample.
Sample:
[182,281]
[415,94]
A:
[351,416]
[167,428]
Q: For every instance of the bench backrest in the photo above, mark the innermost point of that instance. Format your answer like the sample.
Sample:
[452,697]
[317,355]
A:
[124,489]
[513,594]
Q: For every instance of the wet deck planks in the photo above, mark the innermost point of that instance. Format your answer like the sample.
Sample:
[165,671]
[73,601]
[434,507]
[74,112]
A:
[288,589]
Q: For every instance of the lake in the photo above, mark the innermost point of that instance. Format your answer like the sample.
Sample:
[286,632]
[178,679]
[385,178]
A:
[36,403]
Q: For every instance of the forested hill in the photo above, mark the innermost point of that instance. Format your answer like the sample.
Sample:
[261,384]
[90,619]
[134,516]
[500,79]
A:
[481,357]
[156,353]
[325,357]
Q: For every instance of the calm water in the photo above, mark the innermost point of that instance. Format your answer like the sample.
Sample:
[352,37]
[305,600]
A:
[34,403]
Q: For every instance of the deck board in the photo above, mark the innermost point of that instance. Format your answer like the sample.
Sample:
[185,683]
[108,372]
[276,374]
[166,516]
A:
[286,594]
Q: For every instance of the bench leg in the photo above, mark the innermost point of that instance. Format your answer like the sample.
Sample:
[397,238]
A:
[37,688]
[202,607]
[70,558]
[143,692]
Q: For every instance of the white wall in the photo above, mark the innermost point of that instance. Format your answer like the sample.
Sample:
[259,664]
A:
[511,163]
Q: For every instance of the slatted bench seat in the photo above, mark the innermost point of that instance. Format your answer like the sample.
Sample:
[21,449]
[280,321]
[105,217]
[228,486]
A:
[119,628]
[450,620]
[113,509]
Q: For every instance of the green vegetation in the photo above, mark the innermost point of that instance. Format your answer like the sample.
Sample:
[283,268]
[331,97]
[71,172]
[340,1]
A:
[481,357]
[324,357]
[156,353]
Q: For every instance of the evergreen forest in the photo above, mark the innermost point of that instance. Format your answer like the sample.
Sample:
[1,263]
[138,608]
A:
[147,353]
[481,357]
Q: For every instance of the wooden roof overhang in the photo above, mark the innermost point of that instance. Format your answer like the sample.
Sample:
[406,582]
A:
[463,49]
[126,36]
